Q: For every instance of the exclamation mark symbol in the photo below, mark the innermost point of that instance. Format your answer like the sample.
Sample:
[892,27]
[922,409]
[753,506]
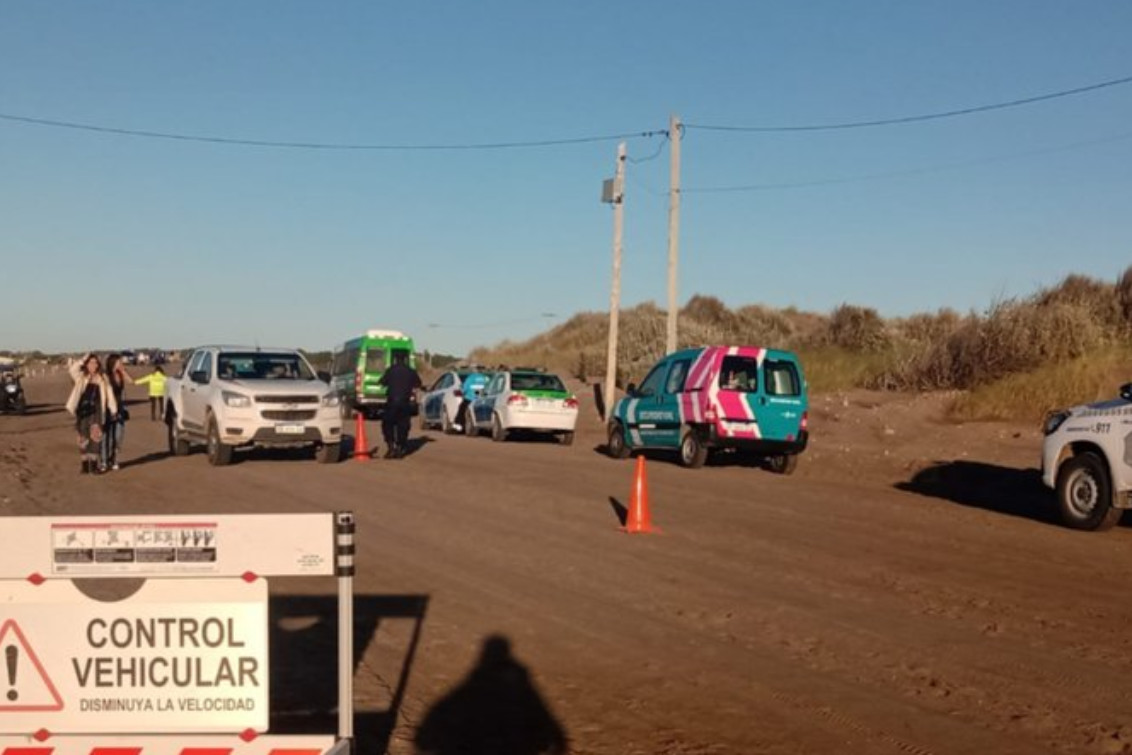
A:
[12,660]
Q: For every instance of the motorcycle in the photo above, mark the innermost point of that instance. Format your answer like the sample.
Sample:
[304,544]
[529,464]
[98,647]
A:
[12,397]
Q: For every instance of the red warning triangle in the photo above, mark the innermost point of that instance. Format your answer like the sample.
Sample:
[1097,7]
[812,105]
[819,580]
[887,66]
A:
[24,684]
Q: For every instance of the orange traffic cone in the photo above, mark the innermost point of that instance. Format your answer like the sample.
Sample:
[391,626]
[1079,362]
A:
[638,520]
[361,446]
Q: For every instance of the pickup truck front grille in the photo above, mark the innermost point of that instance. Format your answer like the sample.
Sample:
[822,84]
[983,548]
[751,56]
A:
[293,415]
[272,399]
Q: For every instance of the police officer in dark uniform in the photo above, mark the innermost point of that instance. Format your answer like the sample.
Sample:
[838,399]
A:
[402,382]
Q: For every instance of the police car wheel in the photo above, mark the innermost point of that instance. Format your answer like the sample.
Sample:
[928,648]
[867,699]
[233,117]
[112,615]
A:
[1084,494]
[498,431]
[445,422]
[470,428]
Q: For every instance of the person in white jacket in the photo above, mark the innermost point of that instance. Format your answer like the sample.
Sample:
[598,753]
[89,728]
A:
[91,403]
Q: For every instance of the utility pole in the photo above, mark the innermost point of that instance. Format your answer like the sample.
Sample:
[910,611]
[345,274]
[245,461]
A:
[613,192]
[675,132]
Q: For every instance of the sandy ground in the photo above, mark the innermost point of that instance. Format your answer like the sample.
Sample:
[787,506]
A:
[906,591]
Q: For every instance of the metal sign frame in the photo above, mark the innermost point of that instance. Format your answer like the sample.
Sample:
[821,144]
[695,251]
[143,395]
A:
[250,546]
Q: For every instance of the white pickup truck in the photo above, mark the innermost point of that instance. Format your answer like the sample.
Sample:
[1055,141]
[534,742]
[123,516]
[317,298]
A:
[230,397]
[1087,460]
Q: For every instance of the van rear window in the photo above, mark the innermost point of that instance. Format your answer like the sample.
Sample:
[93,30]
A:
[375,360]
[781,378]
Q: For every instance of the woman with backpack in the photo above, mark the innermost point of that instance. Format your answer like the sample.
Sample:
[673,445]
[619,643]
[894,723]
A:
[91,403]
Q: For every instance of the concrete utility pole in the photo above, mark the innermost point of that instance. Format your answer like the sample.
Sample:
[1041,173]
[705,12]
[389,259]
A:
[614,193]
[675,132]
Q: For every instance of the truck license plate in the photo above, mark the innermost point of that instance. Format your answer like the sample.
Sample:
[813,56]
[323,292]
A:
[290,429]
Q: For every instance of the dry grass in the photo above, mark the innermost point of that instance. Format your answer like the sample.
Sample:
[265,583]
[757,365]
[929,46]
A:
[990,354]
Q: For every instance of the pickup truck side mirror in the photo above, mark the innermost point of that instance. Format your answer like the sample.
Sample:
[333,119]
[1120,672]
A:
[199,376]
[631,389]
[324,376]
[1126,391]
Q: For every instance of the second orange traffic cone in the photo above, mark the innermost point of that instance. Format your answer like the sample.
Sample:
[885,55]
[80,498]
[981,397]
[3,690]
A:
[361,446]
[638,520]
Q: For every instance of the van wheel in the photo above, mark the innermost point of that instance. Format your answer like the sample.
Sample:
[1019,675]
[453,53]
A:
[782,463]
[498,432]
[178,446]
[1084,494]
[219,454]
[615,446]
[693,453]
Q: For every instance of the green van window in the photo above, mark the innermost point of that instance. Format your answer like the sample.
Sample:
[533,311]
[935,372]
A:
[375,360]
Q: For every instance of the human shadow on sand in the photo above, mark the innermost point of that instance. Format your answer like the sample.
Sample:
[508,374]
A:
[304,662]
[1005,490]
[495,710]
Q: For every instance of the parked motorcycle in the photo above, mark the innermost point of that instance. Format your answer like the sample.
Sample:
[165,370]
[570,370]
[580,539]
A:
[12,397]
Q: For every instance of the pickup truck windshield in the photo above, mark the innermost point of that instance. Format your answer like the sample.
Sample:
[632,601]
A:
[262,365]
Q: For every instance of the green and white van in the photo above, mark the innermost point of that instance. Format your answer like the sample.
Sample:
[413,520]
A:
[358,364]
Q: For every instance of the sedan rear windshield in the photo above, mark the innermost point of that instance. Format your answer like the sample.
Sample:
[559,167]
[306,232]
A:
[521,381]
[262,365]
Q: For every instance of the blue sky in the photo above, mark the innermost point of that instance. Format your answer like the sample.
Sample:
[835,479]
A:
[109,241]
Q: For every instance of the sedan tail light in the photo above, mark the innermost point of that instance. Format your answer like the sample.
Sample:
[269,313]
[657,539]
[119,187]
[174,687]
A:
[516,399]
[458,393]
[570,403]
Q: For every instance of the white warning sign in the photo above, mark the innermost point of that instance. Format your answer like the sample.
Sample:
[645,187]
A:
[178,656]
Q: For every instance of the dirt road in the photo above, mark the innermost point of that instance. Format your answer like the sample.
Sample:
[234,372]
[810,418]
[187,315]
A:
[905,592]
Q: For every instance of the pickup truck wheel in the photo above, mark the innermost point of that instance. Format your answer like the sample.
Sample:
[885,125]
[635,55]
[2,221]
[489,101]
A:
[1084,494]
[498,432]
[329,453]
[178,446]
[782,463]
[219,454]
[615,445]
[693,453]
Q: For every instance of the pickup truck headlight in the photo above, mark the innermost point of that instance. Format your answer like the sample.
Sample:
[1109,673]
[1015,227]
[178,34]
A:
[330,399]
[1053,421]
[233,399]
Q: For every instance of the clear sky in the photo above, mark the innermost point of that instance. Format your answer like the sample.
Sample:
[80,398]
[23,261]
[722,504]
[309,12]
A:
[109,240]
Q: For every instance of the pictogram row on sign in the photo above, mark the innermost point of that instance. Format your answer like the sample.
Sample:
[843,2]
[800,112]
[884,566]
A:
[142,751]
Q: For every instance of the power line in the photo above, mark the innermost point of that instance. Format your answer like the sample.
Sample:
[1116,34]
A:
[326,145]
[911,172]
[917,118]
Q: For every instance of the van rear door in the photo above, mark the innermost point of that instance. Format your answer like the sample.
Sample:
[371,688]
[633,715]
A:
[781,401]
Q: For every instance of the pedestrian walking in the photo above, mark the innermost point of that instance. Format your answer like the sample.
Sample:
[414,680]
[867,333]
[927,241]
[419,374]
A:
[156,382]
[402,382]
[114,431]
[91,402]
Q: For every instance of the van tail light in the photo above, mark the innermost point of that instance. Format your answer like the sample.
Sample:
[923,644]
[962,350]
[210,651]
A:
[516,399]
[805,420]
[359,382]
[570,403]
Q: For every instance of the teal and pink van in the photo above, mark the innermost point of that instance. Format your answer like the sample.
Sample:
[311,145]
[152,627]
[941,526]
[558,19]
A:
[746,399]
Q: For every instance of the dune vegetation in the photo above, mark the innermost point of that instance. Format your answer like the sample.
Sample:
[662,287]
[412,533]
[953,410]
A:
[1065,344]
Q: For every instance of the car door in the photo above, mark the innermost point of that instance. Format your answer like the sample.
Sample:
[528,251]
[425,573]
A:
[781,400]
[485,404]
[669,417]
[195,390]
[434,399]
[645,413]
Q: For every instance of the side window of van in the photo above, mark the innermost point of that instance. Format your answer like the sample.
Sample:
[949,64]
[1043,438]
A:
[676,376]
[652,383]
[781,378]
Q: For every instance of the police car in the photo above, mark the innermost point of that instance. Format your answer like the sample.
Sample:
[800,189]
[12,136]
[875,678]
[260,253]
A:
[524,400]
[445,403]
[1087,461]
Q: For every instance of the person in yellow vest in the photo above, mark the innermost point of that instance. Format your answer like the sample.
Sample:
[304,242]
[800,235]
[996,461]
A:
[156,382]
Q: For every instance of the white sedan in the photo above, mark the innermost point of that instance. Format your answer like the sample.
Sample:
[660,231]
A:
[524,400]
